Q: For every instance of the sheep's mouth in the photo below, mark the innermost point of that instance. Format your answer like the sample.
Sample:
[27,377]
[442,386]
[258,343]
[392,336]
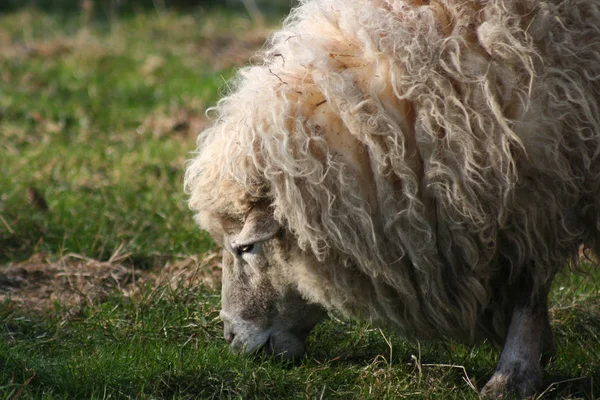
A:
[282,345]
[267,348]
[285,346]
[277,342]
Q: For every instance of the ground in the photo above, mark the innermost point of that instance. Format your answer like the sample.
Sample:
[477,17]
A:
[108,289]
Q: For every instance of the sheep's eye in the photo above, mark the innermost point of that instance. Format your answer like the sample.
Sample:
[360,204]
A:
[247,248]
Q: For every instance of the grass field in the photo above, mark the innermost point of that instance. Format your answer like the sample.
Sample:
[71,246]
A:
[108,290]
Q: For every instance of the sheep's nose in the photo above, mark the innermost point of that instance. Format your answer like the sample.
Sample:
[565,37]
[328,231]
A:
[228,332]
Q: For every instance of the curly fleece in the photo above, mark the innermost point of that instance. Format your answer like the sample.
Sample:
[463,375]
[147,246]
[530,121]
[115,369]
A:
[440,153]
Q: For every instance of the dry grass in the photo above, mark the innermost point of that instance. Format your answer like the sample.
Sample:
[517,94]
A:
[175,121]
[75,281]
[225,51]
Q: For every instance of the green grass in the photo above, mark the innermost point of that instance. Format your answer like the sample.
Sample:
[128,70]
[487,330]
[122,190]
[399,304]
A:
[98,114]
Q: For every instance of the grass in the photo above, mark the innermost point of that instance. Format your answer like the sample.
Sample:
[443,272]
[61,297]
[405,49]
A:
[107,288]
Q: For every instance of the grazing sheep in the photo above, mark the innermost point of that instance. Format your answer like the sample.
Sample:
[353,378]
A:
[425,164]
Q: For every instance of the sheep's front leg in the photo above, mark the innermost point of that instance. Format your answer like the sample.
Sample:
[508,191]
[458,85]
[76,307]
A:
[529,336]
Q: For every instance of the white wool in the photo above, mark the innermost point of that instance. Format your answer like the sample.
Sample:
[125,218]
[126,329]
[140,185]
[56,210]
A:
[439,153]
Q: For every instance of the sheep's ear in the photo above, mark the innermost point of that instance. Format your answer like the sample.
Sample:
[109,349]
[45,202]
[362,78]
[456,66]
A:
[258,226]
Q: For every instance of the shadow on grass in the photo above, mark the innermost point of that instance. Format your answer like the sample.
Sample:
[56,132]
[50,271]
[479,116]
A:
[570,386]
[218,382]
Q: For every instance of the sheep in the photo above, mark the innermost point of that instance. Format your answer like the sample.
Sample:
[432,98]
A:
[428,165]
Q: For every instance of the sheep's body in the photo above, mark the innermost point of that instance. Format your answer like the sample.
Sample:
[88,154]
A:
[437,160]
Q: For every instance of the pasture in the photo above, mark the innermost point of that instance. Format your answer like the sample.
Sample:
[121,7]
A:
[109,290]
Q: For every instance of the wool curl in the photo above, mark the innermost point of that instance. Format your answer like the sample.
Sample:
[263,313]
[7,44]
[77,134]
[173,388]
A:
[445,151]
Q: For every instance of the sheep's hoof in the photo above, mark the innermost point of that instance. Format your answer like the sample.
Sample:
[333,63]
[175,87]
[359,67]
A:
[518,382]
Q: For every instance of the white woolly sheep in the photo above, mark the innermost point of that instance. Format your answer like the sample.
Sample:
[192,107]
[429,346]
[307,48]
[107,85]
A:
[426,164]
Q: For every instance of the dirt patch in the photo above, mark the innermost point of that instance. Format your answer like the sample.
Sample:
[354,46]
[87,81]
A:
[47,49]
[176,121]
[83,44]
[76,281]
[222,51]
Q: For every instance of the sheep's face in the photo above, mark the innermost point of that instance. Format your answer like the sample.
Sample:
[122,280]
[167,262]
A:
[262,308]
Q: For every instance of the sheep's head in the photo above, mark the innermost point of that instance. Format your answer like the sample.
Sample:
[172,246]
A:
[262,308]
[238,185]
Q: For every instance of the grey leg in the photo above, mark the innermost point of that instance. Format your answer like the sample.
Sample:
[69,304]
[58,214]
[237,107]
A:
[519,369]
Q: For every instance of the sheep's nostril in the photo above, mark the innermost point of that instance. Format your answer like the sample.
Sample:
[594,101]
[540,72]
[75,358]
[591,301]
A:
[228,331]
